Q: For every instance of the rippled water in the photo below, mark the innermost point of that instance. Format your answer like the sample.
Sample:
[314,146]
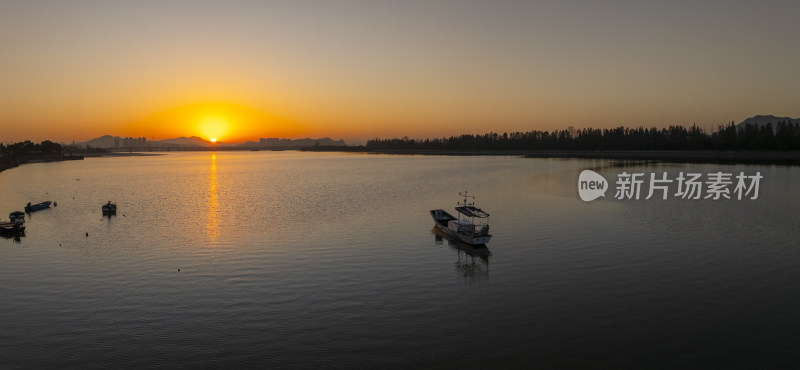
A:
[287,259]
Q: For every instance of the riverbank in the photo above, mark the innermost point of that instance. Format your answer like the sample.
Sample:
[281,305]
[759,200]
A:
[8,162]
[120,154]
[688,156]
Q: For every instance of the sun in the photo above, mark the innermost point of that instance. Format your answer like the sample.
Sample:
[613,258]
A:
[214,127]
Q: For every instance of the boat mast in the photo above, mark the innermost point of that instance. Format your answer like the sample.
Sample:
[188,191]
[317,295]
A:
[465,199]
[466,203]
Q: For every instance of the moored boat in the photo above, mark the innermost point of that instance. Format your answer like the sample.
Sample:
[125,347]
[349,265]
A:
[37,207]
[16,215]
[109,208]
[15,227]
[471,226]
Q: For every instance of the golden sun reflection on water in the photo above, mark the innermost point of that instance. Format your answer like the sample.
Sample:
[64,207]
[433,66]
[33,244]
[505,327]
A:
[212,222]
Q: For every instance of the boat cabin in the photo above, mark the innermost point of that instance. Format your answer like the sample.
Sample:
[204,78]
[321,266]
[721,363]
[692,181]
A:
[471,221]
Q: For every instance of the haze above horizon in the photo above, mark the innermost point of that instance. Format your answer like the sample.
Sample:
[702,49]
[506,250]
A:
[240,70]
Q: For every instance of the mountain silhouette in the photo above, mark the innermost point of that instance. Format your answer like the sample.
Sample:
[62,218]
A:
[110,142]
[762,120]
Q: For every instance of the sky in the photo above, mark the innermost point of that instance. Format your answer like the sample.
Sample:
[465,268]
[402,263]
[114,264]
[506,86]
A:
[355,70]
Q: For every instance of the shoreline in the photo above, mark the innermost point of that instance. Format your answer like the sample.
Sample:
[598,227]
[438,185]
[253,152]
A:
[72,157]
[9,163]
[689,156]
[791,158]
[783,157]
[119,154]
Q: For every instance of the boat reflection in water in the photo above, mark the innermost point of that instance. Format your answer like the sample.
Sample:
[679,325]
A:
[473,261]
[15,237]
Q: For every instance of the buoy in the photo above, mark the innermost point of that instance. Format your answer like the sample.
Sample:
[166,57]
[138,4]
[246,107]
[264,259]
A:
[55,204]
[87,234]
[179,270]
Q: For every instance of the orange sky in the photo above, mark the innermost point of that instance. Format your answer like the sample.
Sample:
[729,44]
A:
[231,122]
[356,70]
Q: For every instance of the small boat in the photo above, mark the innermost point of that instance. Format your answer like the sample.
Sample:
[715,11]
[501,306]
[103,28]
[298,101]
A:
[471,226]
[109,208]
[16,215]
[37,207]
[15,227]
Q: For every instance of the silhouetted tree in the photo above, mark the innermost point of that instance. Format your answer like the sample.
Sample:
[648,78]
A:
[727,137]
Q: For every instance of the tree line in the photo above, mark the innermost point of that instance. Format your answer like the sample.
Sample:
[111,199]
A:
[29,147]
[13,155]
[785,136]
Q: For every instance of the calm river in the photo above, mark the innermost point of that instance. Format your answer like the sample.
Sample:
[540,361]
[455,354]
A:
[307,260]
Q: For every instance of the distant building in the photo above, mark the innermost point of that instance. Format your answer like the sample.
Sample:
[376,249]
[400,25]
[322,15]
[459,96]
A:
[131,142]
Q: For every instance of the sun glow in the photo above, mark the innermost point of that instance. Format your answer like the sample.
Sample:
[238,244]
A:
[214,127]
[221,121]
[213,140]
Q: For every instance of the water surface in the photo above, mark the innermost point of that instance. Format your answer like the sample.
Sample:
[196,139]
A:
[295,259]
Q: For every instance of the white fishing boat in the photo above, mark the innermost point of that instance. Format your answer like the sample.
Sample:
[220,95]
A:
[471,226]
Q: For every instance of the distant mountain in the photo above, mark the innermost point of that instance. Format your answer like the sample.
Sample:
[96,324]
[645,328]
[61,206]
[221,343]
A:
[110,142]
[762,120]
[105,141]
[193,141]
